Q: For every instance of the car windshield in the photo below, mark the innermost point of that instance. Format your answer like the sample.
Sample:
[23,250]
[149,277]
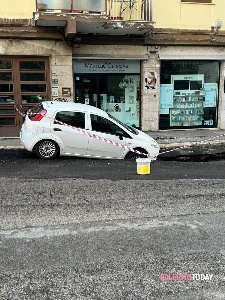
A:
[128,127]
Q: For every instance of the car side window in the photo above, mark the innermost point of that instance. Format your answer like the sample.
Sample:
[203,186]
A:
[72,118]
[104,125]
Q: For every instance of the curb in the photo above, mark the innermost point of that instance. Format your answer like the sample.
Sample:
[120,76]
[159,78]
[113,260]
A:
[162,145]
[192,144]
[11,147]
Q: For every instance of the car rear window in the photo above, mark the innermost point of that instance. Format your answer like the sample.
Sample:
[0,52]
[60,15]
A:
[34,111]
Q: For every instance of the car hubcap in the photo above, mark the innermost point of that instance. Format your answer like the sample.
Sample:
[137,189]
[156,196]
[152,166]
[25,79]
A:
[134,157]
[47,149]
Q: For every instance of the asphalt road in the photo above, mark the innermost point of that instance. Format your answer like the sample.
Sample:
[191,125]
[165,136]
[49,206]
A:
[22,164]
[94,229]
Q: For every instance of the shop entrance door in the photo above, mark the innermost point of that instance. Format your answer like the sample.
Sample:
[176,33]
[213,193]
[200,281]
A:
[23,82]
[87,90]
[117,94]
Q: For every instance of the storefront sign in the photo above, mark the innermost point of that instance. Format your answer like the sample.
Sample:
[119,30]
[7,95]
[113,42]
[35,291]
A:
[107,66]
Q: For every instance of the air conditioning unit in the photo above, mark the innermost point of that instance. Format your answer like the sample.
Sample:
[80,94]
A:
[97,6]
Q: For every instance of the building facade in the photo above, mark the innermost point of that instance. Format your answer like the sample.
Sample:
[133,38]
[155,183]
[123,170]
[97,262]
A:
[191,55]
[146,63]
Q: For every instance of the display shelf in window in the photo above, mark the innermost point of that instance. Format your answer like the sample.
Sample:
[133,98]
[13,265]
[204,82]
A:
[188,110]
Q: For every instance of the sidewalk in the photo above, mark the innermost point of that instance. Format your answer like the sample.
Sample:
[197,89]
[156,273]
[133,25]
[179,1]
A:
[185,137]
[180,141]
[189,143]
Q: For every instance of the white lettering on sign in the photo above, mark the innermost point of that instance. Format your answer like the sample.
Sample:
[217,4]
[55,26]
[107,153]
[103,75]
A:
[106,65]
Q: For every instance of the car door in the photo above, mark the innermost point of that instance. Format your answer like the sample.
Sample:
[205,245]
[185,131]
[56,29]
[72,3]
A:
[106,129]
[67,127]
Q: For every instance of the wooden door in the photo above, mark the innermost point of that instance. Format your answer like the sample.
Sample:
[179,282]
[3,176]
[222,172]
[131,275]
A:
[24,81]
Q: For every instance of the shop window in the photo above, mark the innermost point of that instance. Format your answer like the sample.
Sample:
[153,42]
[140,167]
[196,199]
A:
[118,95]
[122,98]
[189,94]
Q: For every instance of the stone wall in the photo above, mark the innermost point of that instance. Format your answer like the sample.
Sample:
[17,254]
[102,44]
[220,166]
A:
[150,96]
[221,107]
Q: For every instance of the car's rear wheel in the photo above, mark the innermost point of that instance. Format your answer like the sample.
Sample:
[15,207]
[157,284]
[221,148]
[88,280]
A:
[47,149]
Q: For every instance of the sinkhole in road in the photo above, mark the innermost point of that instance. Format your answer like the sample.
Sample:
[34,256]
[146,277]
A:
[194,157]
[185,155]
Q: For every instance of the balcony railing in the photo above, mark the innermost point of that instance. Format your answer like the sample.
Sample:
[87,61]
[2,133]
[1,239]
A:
[136,10]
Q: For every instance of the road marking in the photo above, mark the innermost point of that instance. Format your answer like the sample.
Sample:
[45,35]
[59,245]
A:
[41,232]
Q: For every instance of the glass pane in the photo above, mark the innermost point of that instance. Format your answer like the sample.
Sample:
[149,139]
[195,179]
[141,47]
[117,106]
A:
[76,119]
[33,98]
[53,4]
[7,121]
[189,94]
[6,100]
[90,5]
[6,88]
[101,124]
[33,88]
[122,98]
[5,64]
[32,65]
[6,76]
[7,111]
[32,76]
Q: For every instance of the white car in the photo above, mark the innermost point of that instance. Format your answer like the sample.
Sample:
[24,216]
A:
[55,128]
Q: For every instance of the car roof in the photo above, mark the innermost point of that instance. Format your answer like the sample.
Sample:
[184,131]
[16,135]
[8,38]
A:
[73,106]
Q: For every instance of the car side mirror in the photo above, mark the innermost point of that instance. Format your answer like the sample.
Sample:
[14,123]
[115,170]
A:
[119,134]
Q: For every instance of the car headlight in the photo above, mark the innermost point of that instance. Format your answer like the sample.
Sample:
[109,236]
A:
[154,144]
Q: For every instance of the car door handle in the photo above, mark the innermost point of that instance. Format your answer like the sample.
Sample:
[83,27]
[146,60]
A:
[57,129]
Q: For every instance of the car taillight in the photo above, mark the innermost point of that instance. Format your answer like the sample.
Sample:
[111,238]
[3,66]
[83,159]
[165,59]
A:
[39,115]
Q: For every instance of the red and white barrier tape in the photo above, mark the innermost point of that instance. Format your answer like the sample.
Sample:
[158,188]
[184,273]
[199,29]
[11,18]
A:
[83,131]
[203,142]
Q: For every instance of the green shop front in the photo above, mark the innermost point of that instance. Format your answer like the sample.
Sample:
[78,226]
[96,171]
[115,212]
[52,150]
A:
[189,94]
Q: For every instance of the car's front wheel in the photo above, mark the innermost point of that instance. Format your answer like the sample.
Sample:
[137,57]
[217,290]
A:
[134,155]
[47,149]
